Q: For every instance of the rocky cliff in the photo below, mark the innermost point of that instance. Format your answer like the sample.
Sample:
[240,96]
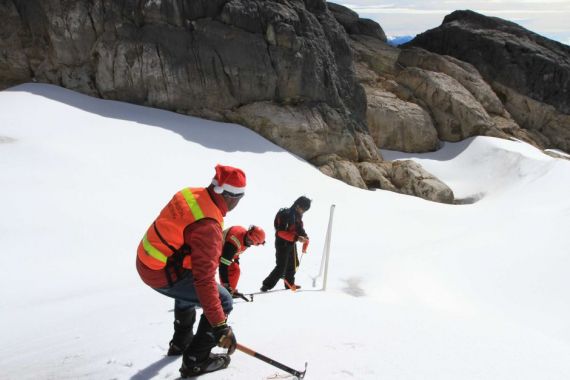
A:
[283,68]
[529,73]
[218,59]
[308,75]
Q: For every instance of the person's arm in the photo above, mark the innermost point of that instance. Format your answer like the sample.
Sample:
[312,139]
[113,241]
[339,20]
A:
[205,239]
[301,231]
[226,260]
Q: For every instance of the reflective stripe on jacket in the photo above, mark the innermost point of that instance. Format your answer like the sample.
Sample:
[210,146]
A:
[236,236]
[166,233]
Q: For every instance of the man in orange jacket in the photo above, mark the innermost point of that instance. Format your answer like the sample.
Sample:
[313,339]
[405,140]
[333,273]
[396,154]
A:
[288,231]
[236,240]
[178,257]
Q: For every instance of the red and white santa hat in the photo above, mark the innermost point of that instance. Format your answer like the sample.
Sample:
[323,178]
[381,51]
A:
[229,179]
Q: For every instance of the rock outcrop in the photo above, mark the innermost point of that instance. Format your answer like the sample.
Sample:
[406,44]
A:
[457,114]
[283,69]
[397,124]
[308,75]
[463,72]
[353,24]
[529,73]
[208,58]
[410,178]
[405,177]
[311,76]
[321,127]
[417,98]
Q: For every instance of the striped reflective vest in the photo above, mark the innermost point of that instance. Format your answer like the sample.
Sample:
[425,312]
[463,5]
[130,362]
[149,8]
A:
[236,236]
[165,236]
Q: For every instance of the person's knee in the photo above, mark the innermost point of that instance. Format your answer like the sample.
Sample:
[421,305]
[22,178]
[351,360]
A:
[228,306]
[227,301]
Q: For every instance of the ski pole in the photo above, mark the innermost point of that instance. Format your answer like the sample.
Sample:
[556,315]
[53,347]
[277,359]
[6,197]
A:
[264,358]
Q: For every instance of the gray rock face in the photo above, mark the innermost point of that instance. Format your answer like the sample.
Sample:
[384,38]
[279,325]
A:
[14,68]
[285,69]
[396,124]
[376,54]
[456,112]
[308,132]
[511,59]
[394,121]
[376,175]
[543,122]
[416,98]
[202,57]
[339,168]
[353,24]
[405,177]
[410,178]
[463,72]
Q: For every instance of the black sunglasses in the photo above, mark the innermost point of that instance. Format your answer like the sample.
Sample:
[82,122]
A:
[232,195]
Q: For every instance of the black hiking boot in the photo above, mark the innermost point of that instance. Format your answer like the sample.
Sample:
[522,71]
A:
[214,362]
[183,325]
[264,288]
[197,358]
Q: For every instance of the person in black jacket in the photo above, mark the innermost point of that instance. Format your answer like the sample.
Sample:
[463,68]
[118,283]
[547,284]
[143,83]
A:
[288,230]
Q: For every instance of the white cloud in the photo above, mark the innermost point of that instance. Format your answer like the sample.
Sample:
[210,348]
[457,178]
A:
[378,10]
[549,18]
[542,2]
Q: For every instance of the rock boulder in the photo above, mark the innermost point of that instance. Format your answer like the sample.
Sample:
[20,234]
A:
[517,63]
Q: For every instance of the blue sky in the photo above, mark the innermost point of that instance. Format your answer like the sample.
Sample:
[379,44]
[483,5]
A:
[402,17]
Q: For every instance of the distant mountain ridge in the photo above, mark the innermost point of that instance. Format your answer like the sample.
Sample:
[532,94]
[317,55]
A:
[399,40]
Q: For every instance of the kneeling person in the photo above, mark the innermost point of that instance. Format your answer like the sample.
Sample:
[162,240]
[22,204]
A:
[236,240]
[178,257]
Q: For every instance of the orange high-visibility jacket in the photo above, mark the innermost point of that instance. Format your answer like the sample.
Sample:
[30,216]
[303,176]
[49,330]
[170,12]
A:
[166,233]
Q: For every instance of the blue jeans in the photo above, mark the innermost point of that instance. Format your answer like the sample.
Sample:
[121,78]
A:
[185,297]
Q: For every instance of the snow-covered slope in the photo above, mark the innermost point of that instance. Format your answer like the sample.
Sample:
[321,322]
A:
[416,290]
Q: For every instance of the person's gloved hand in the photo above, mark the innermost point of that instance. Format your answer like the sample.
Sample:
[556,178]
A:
[305,245]
[225,337]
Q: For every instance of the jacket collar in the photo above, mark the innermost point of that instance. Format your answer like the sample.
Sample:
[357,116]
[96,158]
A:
[218,200]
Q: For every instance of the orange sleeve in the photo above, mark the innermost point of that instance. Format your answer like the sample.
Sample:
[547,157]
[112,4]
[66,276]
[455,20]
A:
[205,238]
[287,235]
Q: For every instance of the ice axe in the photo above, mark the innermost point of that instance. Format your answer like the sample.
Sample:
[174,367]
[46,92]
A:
[245,297]
[264,358]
